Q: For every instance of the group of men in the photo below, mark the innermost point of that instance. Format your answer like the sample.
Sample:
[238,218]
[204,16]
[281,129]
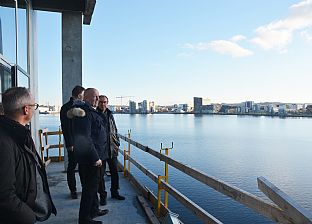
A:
[91,140]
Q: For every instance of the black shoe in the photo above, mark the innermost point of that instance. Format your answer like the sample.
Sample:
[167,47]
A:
[89,221]
[100,212]
[103,201]
[73,195]
[118,197]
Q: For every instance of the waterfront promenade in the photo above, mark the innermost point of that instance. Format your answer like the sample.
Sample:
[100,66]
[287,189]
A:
[128,211]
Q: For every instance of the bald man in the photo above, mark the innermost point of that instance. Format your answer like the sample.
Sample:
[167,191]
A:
[90,140]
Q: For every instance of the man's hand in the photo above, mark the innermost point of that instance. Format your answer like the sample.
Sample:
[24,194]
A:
[70,148]
[98,163]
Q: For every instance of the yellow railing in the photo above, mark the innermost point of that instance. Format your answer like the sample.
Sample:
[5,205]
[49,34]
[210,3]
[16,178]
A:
[45,146]
[282,210]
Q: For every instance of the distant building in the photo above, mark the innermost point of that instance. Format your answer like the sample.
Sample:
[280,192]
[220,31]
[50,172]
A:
[132,107]
[206,101]
[248,106]
[183,107]
[273,109]
[43,109]
[228,109]
[211,109]
[143,107]
[151,106]
[282,110]
[198,103]
[112,108]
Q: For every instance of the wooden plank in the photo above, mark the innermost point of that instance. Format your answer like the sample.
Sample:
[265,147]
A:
[267,209]
[147,193]
[47,162]
[56,146]
[54,133]
[56,158]
[293,210]
[197,210]
[45,130]
[148,211]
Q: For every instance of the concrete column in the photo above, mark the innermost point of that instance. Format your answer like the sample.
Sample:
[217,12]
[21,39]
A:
[71,57]
[71,52]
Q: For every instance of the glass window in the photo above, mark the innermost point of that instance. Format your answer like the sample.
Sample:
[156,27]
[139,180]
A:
[5,76]
[22,77]
[7,17]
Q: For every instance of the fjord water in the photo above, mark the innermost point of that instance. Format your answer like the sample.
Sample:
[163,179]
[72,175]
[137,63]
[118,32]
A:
[234,149]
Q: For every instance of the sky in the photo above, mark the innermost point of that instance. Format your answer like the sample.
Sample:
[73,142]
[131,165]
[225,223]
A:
[170,51]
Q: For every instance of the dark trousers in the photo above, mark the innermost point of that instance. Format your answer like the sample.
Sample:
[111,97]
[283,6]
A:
[112,164]
[89,204]
[72,163]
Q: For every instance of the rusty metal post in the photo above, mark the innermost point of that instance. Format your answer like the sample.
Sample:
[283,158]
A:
[129,149]
[158,195]
[59,146]
[166,177]
[125,163]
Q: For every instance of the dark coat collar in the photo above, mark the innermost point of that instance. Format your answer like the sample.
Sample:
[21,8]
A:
[18,132]
[108,111]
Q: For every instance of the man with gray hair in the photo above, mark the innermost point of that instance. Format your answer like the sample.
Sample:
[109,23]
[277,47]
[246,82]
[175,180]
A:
[24,189]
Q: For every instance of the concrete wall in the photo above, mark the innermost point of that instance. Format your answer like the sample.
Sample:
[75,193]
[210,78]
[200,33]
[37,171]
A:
[71,52]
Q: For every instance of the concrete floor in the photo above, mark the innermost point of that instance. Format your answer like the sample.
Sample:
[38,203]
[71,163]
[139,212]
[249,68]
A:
[128,211]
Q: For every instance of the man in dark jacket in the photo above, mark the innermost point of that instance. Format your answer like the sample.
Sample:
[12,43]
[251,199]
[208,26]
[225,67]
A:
[24,190]
[112,148]
[77,94]
[90,139]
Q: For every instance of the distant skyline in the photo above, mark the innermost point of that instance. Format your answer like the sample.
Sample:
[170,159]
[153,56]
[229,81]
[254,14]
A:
[170,51]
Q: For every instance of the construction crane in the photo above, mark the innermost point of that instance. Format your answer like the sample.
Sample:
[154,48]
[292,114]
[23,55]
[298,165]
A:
[121,97]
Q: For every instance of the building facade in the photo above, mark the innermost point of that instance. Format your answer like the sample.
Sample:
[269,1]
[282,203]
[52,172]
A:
[198,103]
[132,107]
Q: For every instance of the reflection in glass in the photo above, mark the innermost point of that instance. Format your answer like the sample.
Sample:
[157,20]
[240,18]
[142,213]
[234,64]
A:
[22,39]
[22,79]
[8,33]
[7,16]
[5,77]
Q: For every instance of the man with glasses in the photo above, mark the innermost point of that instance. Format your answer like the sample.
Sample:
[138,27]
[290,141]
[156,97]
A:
[24,189]
[112,148]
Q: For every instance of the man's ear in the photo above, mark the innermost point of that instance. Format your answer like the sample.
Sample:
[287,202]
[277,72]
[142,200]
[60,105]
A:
[80,96]
[26,110]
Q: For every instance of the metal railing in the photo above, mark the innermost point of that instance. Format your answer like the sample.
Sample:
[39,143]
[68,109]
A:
[283,210]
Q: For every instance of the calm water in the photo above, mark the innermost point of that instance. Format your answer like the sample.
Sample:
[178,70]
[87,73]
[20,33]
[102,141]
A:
[235,149]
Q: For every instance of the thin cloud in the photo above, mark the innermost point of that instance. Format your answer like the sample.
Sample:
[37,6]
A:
[222,47]
[185,55]
[230,48]
[237,38]
[277,35]
[306,36]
